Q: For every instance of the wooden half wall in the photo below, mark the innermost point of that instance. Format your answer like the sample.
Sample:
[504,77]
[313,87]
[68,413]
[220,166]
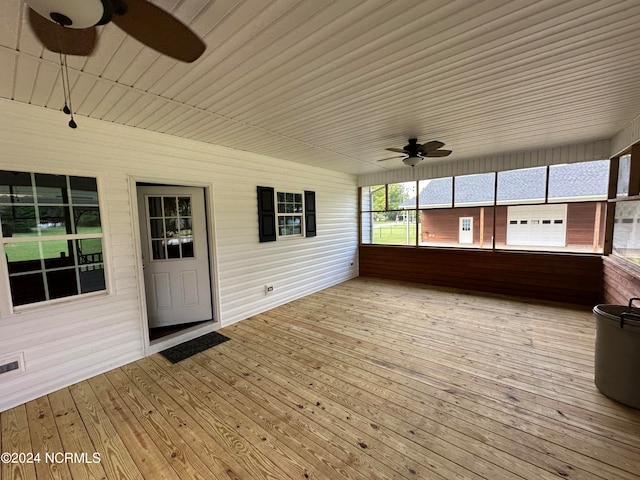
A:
[620,281]
[546,276]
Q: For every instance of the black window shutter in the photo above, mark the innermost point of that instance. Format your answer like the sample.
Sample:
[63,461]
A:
[266,214]
[309,213]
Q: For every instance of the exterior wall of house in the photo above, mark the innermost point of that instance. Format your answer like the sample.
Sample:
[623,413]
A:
[76,338]
[441,225]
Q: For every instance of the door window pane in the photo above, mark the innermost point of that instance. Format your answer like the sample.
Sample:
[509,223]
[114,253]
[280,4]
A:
[170,207]
[157,249]
[155,207]
[187,246]
[170,227]
[156,227]
[184,205]
[173,248]
[186,237]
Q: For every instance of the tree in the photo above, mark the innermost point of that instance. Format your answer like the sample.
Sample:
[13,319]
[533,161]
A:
[397,195]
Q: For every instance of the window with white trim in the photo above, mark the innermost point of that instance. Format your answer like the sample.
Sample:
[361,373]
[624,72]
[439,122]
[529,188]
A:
[290,214]
[51,236]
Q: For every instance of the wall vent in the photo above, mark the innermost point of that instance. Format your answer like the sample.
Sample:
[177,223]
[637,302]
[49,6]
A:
[8,367]
[11,365]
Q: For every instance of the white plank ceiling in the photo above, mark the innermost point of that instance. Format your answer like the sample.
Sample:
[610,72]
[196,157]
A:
[332,83]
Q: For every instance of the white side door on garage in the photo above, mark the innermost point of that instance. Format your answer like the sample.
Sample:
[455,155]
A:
[537,225]
[465,232]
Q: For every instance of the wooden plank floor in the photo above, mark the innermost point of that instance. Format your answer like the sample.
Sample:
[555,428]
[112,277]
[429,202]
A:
[370,379]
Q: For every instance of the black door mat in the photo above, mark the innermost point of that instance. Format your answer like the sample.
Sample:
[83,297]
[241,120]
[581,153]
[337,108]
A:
[197,345]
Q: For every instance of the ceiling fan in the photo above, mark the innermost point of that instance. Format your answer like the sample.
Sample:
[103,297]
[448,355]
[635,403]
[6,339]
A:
[68,27]
[413,153]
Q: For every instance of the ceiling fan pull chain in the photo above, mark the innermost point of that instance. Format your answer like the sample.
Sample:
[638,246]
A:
[65,109]
[66,88]
[72,122]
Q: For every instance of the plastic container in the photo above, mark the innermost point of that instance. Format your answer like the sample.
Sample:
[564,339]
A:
[617,355]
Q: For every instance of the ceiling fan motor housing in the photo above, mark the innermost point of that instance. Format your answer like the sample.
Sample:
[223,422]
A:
[412,148]
[74,13]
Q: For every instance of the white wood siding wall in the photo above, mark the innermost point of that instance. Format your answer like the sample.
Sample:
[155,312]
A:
[568,154]
[78,338]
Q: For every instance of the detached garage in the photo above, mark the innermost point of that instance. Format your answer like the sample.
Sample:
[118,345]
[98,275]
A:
[560,206]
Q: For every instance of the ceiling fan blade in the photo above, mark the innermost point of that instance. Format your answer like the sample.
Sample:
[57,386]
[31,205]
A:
[397,150]
[160,30]
[59,39]
[432,145]
[438,153]
[391,158]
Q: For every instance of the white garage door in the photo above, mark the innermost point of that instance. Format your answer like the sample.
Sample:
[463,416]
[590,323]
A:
[537,225]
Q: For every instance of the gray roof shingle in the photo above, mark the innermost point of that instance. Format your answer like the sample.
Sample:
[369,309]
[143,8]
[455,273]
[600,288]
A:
[575,180]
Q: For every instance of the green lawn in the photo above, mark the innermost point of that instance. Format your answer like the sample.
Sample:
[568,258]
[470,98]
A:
[394,233]
[55,248]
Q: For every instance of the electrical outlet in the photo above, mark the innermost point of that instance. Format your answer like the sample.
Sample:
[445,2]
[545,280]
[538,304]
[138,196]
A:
[268,289]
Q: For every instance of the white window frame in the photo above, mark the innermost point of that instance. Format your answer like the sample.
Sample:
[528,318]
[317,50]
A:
[73,237]
[284,214]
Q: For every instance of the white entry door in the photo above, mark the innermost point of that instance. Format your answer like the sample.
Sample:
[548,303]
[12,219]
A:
[465,234]
[175,255]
